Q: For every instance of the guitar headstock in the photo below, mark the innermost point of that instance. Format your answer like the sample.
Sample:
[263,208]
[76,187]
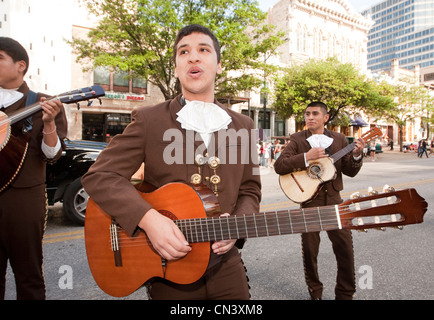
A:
[380,210]
[374,133]
[83,94]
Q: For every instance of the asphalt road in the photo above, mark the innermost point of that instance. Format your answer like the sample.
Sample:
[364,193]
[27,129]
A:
[390,265]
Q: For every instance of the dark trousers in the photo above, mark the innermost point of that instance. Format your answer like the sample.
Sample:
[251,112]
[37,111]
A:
[342,243]
[225,281]
[22,224]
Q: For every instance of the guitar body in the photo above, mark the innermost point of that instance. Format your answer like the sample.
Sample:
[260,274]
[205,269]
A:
[302,186]
[123,272]
[121,264]
[13,150]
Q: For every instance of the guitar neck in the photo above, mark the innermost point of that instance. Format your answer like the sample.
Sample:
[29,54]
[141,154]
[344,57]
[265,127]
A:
[368,136]
[343,152]
[260,225]
[73,96]
[24,113]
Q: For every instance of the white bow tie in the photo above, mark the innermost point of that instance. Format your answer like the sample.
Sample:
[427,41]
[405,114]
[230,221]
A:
[319,141]
[204,118]
[9,96]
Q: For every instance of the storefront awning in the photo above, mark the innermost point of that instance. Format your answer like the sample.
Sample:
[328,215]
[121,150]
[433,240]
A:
[359,122]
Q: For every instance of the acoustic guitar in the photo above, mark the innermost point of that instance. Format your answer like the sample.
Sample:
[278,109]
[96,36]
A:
[302,186]
[13,145]
[120,264]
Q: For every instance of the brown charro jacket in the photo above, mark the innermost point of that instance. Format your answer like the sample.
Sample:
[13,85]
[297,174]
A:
[292,159]
[33,169]
[155,138]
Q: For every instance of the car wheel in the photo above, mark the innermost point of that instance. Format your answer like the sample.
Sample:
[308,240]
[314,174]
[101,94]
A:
[75,202]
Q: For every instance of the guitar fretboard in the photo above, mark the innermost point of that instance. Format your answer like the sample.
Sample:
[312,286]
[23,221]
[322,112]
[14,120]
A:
[260,225]
[343,152]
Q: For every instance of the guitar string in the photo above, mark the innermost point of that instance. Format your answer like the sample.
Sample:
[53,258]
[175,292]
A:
[263,220]
[194,229]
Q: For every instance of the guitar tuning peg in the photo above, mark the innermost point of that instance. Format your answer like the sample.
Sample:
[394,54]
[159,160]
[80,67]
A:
[371,191]
[355,195]
[363,230]
[381,229]
[386,188]
[90,103]
[78,106]
[100,101]
[399,227]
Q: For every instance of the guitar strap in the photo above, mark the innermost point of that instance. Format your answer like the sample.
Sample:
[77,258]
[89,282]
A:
[326,133]
[28,123]
[327,151]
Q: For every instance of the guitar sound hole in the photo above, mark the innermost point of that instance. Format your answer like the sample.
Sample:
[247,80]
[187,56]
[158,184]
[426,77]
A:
[315,171]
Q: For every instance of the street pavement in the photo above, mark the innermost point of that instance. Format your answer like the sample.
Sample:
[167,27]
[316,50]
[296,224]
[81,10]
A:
[399,262]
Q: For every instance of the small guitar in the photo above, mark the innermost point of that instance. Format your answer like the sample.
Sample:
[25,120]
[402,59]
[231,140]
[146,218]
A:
[302,186]
[13,148]
[120,264]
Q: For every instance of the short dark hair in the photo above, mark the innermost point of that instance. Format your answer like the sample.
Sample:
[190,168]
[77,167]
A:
[186,31]
[15,50]
[318,104]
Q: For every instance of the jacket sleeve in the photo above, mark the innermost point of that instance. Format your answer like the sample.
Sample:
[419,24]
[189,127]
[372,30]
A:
[349,166]
[291,159]
[108,180]
[62,130]
[249,193]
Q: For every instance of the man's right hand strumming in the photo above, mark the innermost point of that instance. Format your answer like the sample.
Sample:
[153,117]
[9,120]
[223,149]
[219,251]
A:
[165,236]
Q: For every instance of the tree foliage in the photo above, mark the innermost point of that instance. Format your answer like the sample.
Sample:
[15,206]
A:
[410,102]
[138,35]
[339,85]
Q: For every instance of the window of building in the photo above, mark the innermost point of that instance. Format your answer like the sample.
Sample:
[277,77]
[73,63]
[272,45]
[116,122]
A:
[101,76]
[428,77]
[119,81]
[103,126]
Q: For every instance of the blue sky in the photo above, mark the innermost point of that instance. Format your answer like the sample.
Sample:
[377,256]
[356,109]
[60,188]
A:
[358,5]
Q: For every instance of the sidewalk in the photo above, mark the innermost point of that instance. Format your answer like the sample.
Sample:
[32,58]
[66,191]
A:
[395,155]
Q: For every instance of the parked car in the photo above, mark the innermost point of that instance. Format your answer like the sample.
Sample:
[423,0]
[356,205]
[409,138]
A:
[64,177]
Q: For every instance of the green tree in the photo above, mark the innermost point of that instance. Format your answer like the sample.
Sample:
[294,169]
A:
[410,101]
[339,85]
[137,36]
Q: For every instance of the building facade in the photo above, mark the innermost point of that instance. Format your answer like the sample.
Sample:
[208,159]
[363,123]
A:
[318,30]
[313,29]
[401,47]
[403,30]
[43,28]
[321,29]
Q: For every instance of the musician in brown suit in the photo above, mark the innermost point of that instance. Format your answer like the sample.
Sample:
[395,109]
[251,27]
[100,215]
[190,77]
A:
[168,138]
[311,144]
[23,204]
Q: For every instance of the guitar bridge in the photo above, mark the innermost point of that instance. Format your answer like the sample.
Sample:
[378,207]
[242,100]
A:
[114,241]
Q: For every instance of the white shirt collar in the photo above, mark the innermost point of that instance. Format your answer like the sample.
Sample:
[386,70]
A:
[319,141]
[204,118]
[9,96]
